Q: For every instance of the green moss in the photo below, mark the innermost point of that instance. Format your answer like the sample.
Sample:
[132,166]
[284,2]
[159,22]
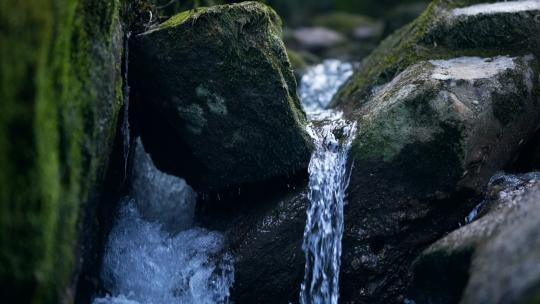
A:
[181,17]
[59,86]
[393,55]
[431,36]
[385,134]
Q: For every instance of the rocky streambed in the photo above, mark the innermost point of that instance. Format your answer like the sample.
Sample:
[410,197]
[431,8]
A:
[406,177]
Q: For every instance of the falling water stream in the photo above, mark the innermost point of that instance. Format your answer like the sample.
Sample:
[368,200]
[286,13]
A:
[328,180]
[156,254]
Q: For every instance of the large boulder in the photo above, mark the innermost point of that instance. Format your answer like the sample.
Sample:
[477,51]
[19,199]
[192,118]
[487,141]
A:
[494,259]
[61,92]
[441,108]
[216,84]
[431,137]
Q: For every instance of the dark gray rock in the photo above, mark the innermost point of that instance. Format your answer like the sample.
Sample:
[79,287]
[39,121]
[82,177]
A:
[447,29]
[435,124]
[431,137]
[218,82]
[494,259]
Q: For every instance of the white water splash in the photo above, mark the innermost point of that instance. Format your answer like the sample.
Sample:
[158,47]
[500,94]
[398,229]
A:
[154,254]
[328,181]
[161,197]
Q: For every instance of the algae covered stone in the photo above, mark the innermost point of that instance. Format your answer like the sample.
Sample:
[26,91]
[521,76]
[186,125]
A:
[221,80]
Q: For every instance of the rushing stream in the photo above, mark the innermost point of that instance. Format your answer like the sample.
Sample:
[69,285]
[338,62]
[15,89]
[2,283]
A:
[328,180]
[155,253]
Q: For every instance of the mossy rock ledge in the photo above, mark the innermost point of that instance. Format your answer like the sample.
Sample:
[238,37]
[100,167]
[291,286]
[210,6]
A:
[219,82]
[441,107]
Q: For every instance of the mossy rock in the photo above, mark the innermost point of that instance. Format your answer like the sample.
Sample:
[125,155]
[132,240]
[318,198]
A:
[441,106]
[427,140]
[61,91]
[221,79]
[446,29]
[490,102]
[492,259]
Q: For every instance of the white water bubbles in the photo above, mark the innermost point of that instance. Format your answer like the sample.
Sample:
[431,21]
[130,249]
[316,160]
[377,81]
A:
[145,264]
[154,253]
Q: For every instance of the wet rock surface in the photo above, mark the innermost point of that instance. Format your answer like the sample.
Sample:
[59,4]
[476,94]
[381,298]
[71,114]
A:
[495,258]
[427,144]
[225,99]
[267,246]
[428,140]
[435,124]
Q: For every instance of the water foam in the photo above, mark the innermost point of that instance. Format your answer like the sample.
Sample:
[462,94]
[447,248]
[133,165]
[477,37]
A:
[155,254]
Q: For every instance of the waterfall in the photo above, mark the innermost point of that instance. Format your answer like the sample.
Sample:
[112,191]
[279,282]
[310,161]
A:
[328,180]
[155,253]
[125,122]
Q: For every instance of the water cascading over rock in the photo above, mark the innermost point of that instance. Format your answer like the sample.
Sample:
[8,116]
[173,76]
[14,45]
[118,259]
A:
[328,181]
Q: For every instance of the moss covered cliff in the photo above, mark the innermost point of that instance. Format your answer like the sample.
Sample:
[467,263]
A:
[60,91]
